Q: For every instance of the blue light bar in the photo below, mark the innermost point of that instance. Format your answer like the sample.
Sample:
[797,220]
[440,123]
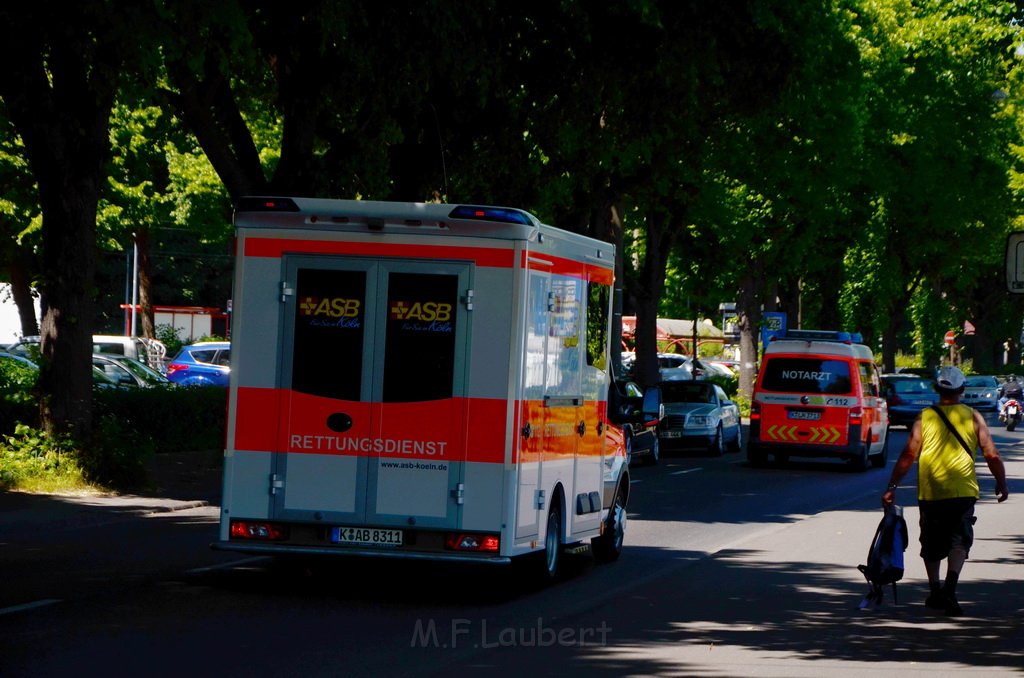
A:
[503,215]
[823,335]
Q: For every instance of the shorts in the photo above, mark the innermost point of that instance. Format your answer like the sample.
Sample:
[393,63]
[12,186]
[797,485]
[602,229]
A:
[946,524]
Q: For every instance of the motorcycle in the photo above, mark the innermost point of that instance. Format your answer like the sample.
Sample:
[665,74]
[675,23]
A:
[1011,414]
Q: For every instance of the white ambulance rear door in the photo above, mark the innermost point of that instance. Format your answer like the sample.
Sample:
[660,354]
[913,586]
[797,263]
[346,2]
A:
[373,380]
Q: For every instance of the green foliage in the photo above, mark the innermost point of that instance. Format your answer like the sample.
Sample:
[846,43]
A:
[116,454]
[168,419]
[169,337]
[17,400]
[130,425]
[31,460]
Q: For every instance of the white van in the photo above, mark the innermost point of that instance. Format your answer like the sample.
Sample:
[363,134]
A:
[422,381]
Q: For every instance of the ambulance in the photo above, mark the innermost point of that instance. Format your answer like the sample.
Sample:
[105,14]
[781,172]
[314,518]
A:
[423,381]
[818,394]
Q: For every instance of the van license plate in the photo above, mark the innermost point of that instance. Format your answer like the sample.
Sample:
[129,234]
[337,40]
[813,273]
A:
[809,416]
[366,536]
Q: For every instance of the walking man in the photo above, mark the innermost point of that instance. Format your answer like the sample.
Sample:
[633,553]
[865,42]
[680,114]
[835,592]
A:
[943,441]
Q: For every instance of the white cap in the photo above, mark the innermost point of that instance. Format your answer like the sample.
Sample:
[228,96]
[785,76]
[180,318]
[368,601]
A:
[950,378]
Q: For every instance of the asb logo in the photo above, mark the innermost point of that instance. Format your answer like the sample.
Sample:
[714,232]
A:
[428,311]
[337,307]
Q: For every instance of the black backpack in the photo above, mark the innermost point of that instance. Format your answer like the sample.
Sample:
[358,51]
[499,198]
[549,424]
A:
[885,557]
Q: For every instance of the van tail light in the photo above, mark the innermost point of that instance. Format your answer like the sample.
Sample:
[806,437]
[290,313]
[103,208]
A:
[856,416]
[261,530]
[455,541]
[755,411]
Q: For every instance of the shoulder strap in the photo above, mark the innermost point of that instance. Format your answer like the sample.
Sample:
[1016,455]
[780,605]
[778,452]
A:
[949,425]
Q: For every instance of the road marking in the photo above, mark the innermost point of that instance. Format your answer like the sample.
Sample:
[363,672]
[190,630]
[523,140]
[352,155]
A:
[689,470]
[226,566]
[29,606]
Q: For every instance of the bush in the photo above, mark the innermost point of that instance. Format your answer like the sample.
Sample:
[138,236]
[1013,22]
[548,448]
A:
[171,419]
[31,460]
[129,426]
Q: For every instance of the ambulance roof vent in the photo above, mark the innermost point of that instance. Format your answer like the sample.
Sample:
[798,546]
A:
[504,215]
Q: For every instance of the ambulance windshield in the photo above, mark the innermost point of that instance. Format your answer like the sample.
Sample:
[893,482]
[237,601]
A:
[807,375]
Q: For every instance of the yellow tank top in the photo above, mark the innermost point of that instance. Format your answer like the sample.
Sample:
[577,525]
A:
[944,469]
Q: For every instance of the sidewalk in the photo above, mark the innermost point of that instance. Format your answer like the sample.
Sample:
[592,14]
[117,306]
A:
[178,481]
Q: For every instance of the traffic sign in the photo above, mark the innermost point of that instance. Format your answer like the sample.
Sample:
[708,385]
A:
[950,338]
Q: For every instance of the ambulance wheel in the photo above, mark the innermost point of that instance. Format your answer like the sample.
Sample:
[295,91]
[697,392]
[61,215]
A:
[755,457]
[608,546]
[717,446]
[861,461]
[553,545]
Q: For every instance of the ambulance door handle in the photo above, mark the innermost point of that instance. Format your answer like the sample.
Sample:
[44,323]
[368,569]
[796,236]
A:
[582,428]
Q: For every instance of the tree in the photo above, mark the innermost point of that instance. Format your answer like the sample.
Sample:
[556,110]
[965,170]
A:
[62,65]
[935,173]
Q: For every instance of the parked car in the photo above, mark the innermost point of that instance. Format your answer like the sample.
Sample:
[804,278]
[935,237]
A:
[100,379]
[981,392]
[128,371]
[204,364]
[641,432]
[676,366]
[906,395]
[699,414]
[149,351]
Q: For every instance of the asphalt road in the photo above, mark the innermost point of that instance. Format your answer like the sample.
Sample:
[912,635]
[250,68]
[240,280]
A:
[728,570]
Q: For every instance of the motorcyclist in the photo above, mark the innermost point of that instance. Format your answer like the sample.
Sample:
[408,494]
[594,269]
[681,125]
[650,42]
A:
[1012,390]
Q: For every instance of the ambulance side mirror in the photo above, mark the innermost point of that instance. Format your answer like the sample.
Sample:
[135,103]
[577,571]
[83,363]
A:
[652,408]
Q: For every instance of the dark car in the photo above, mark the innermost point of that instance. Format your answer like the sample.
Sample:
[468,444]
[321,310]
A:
[203,364]
[699,414]
[906,395]
[982,392]
[639,411]
[128,371]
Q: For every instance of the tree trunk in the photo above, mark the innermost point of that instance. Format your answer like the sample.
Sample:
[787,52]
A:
[21,292]
[65,373]
[143,246]
[58,85]
[658,243]
[748,321]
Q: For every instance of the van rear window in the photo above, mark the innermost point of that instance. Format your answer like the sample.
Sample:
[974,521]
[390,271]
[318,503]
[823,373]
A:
[807,375]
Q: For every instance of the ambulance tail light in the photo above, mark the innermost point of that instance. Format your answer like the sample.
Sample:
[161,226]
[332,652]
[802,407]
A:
[261,530]
[456,541]
[856,416]
[755,411]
